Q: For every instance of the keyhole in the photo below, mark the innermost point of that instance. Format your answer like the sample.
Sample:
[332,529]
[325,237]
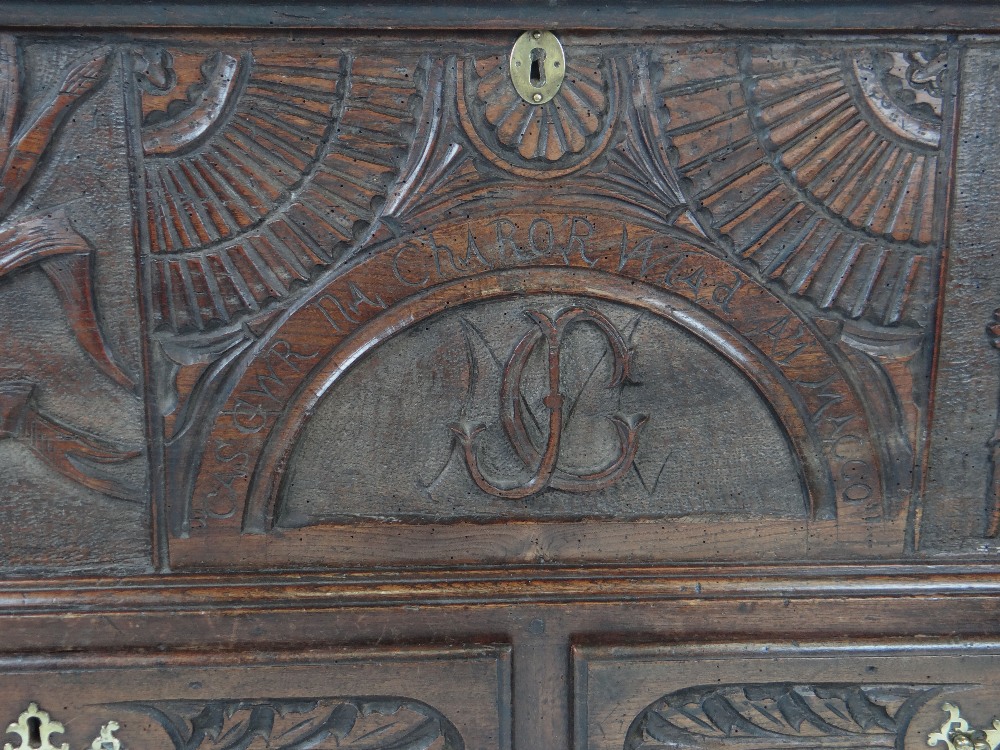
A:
[34,731]
[537,66]
[537,76]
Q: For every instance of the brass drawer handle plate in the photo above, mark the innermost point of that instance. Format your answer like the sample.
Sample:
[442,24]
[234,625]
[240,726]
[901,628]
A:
[537,66]
[35,728]
[957,735]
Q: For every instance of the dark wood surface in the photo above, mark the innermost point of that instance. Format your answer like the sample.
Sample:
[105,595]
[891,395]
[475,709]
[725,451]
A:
[514,15]
[348,400]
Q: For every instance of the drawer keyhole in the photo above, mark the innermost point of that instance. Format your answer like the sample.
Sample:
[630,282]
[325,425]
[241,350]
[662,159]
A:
[34,731]
[537,76]
[537,66]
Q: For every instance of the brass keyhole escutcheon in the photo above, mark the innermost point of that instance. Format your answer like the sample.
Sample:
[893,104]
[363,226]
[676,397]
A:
[537,66]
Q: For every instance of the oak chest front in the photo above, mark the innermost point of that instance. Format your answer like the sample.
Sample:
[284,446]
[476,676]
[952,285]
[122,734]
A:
[499,378]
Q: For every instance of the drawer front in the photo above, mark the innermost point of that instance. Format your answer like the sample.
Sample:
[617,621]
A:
[887,695]
[444,699]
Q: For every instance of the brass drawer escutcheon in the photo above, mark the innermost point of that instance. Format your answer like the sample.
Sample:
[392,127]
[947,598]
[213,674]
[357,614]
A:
[957,735]
[35,728]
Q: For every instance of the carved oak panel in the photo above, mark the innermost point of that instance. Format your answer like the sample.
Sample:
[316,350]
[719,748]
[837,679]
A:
[352,301]
[72,426]
[324,352]
[778,695]
[400,699]
[405,301]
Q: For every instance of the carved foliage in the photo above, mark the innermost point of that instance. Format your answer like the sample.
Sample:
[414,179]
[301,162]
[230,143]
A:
[74,453]
[26,132]
[50,242]
[779,715]
[303,724]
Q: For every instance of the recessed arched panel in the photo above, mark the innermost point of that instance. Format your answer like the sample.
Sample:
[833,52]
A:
[537,381]
[704,439]
[418,312]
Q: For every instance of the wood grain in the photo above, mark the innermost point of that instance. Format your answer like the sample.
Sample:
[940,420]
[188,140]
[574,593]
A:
[348,399]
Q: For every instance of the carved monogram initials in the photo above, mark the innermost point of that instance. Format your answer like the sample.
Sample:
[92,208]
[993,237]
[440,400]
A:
[546,473]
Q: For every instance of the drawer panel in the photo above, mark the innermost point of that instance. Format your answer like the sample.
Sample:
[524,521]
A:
[787,696]
[438,699]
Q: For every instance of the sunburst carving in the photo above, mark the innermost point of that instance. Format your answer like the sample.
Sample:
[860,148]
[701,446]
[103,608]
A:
[811,123]
[276,174]
[787,163]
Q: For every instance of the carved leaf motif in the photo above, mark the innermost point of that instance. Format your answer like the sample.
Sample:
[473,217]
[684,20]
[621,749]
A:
[9,93]
[304,724]
[65,255]
[791,715]
[22,150]
[74,453]
[49,240]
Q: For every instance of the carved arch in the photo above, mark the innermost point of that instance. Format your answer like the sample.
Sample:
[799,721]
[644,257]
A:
[768,379]
[283,375]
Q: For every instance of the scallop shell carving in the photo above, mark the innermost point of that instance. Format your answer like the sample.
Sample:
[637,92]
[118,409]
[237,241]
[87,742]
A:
[544,140]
